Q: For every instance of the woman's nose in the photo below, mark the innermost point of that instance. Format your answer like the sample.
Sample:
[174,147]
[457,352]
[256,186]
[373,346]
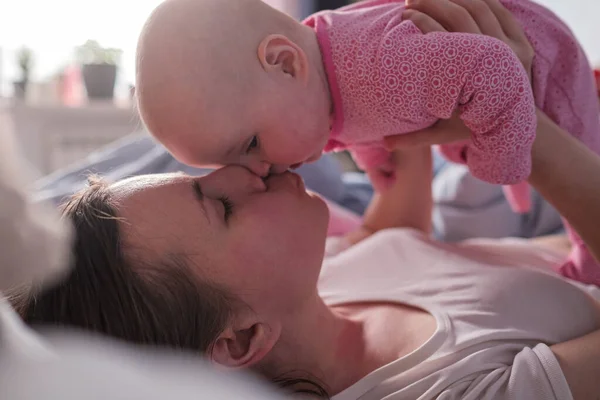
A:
[279,168]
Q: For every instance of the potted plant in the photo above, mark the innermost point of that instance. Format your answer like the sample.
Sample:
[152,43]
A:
[99,69]
[25,63]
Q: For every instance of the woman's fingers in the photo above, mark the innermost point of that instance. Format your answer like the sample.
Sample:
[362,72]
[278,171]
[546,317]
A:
[485,19]
[507,21]
[517,39]
[424,22]
[451,16]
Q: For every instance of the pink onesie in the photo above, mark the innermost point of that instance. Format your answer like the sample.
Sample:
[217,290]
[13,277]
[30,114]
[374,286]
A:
[387,78]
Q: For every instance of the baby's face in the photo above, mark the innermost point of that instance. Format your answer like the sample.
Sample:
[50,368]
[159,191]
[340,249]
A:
[279,137]
[265,135]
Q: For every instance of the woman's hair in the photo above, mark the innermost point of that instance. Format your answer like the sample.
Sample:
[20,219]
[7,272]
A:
[146,301]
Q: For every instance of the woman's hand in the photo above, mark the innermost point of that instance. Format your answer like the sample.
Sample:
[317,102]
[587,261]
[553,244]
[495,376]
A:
[487,17]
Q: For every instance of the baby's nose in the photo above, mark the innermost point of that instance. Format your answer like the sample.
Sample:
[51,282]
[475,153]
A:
[261,169]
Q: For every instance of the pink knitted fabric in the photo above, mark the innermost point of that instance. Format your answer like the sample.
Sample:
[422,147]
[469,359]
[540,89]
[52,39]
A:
[387,78]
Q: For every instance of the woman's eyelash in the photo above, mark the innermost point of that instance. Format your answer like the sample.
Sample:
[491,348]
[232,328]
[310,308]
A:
[228,206]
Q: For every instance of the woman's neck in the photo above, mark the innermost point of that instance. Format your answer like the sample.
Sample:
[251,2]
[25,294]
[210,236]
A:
[317,340]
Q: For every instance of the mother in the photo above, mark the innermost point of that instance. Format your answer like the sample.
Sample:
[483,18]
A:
[231,266]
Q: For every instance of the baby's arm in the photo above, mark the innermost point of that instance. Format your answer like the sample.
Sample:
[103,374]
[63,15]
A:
[408,202]
[377,162]
[482,77]
[427,77]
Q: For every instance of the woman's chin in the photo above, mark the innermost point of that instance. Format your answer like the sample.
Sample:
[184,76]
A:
[317,197]
[321,203]
[312,194]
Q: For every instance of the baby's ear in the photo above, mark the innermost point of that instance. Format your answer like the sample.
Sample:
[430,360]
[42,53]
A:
[279,54]
[245,345]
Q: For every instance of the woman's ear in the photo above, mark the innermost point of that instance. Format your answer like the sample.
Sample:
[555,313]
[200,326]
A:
[245,345]
[277,53]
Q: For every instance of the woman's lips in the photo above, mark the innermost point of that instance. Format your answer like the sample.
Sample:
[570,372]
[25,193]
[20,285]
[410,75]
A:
[290,178]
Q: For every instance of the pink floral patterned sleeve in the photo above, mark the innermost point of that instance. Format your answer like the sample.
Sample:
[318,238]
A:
[483,78]
[428,77]
[389,78]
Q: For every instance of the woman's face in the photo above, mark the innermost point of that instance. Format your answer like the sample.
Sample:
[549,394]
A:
[263,240]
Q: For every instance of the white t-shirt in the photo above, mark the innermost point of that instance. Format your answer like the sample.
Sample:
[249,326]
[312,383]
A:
[498,307]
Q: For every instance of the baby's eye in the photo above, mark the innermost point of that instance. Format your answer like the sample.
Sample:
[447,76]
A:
[253,144]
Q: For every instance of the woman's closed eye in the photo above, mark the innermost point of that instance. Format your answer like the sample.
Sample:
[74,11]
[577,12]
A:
[227,206]
[253,144]
[225,201]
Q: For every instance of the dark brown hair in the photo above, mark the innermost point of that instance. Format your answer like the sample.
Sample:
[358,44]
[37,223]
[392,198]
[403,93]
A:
[156,303]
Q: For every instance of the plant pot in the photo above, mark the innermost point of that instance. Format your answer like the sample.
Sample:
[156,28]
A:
[99,80]
[20,89]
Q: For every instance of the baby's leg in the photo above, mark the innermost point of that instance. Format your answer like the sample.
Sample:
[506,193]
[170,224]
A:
[581,264]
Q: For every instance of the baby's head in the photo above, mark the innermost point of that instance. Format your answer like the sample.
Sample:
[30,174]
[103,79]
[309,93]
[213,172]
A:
[232,82]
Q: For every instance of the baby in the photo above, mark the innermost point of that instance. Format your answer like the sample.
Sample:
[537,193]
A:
[236,81]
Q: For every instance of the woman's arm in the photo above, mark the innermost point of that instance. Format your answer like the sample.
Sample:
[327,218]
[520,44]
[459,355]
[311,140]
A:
[579,360]
[567,174]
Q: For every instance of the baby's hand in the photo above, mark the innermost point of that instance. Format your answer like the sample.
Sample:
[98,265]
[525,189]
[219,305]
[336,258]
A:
[383,176]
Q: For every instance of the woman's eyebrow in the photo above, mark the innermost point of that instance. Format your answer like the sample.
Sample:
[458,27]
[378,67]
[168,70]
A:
[199,195]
